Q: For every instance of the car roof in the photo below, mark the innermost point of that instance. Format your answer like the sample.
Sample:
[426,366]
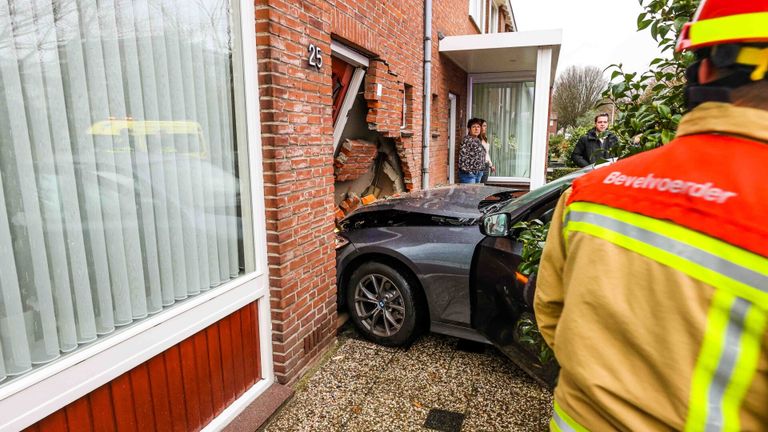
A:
[460,201]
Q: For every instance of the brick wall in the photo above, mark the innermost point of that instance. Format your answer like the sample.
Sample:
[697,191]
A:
[298,179]
[296,116]
[450,17]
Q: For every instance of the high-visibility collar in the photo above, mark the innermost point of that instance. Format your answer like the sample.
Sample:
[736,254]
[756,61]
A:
[733,28]
[723,118]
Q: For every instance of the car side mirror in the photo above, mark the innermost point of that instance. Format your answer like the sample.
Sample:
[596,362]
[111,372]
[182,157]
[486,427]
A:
[495,225]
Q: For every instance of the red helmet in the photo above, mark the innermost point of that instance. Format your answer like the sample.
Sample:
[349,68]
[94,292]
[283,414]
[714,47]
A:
[726,21]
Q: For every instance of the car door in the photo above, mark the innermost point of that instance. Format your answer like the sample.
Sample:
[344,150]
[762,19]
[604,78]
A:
[502,298]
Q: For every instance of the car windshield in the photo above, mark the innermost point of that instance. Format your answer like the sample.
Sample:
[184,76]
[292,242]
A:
[561,183]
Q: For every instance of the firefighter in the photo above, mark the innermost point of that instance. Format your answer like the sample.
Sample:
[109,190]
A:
[653,285]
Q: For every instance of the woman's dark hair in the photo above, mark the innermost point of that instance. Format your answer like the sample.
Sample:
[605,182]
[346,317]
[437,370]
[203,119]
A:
[483,136]
[474,121]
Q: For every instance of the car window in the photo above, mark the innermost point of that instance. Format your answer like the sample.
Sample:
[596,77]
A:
[562,183]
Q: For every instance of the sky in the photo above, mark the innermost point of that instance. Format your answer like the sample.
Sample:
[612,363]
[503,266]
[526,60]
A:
[595,32]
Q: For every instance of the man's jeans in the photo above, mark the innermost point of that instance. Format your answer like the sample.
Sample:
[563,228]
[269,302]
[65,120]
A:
[470,177]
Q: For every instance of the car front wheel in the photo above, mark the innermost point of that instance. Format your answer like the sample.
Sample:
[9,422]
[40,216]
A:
[382,304]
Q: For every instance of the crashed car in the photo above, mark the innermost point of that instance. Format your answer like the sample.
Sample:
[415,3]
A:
[445,260]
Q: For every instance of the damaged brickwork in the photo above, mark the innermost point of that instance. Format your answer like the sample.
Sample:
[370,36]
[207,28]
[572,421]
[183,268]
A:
[297,137]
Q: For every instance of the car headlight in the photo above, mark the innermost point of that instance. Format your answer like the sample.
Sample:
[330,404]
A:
[341,241]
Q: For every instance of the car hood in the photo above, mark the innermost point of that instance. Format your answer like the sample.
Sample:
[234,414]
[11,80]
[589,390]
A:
[451,201]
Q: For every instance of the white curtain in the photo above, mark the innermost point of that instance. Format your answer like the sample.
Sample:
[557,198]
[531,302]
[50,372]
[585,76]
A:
[118,186]
[508,109]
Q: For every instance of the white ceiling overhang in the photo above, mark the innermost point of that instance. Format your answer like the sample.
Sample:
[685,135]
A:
[502,52]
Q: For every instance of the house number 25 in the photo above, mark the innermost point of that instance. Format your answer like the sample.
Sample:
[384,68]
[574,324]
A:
[315,56]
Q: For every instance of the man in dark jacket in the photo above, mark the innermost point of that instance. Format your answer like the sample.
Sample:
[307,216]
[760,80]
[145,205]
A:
[595,144]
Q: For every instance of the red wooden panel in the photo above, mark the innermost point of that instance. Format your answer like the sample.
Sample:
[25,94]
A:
[159,392]
[256,338]
[182,389]
[175,388]
[56,422]
[248,332]
[214,360]
[103,412]
[225,333]
[237,354]
[122,400]
[79,415]
[189,375]
[203,377]
[142,397]
[34,428]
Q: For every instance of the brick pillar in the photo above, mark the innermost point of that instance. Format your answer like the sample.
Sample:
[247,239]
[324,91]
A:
[297,140]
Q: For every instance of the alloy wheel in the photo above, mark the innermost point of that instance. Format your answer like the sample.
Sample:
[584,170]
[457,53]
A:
[379,304]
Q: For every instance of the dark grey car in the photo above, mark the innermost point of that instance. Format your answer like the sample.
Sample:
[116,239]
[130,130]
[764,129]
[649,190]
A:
[447,260]
[405,262]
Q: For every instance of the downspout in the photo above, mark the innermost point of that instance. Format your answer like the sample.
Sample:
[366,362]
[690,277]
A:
[427,110]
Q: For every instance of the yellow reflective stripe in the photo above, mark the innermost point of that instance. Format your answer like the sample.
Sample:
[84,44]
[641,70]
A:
[696,239]
[744,371]
[706,364]
[754,57]
[553,425]
[561,421]
[734,27]
[669,259]
[566,213]
[741,261]
[726,364]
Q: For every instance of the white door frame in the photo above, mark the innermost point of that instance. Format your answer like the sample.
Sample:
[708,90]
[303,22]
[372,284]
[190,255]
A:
[451,137]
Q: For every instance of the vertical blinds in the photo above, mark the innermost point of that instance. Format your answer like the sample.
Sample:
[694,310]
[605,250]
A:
[508,109]
[118,187]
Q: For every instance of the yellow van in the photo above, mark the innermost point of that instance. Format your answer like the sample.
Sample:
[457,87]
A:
[129,134]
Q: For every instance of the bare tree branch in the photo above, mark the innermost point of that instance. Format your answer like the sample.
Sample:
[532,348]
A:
[578,89]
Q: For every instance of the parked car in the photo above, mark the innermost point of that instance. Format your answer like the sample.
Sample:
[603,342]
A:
[445,259]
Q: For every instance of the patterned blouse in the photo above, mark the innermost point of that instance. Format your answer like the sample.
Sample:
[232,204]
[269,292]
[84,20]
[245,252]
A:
[471,155]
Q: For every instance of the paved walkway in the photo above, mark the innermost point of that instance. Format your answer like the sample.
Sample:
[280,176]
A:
[439,383]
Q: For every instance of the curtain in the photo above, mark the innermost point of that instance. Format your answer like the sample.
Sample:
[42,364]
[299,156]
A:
[119,192]
[508,109]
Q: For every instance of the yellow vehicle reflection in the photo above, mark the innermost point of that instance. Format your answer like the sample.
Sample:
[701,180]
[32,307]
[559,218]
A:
[182,137]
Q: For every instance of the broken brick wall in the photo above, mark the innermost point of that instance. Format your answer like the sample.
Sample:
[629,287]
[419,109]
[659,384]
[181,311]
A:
[392,34]
[297,140]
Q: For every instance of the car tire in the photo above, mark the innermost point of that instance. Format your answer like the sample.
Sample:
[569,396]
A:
[383,304]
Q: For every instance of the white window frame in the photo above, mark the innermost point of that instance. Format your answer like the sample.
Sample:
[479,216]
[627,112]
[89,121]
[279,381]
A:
[477,13]
[404,119]
[32,397]
[452,98]
[493,21]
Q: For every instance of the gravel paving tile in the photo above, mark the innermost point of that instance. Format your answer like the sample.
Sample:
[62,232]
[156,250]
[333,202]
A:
[365,387]
[330,394]
[507,403]
[385,410]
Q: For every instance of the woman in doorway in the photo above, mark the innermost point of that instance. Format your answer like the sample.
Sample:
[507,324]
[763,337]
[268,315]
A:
[489,168]
[472,154]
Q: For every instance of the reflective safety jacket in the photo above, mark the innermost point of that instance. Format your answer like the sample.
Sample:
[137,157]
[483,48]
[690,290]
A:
[653,285]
